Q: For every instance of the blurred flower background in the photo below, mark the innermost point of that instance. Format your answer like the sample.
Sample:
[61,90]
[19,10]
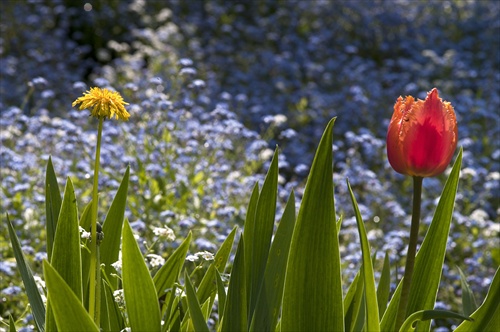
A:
[214,86]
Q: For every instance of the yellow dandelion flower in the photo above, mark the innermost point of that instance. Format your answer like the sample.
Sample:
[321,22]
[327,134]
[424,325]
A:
[105,104]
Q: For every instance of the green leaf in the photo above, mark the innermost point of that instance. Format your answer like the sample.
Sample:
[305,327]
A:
[384,286]
[372,315]
[52,205]
[12,324]
[114,315]
[194,307]
[35,300]
[468,301]
[313,288]
[235,311]
[268,304]
[66,254]
[426,315]
[248,233]
[260,241]
[207,287]
[430,257]
[68,310]
[352,301]
[221,291]
[112,229]
[389,318]
[138,287]
[487,317]
[169,273]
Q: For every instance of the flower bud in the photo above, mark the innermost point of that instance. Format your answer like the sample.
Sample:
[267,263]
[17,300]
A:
[422,135]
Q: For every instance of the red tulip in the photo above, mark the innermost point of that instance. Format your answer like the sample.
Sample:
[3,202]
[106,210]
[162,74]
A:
[422,135]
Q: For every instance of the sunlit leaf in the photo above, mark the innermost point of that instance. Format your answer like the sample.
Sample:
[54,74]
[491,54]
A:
[112,229]
[141,300]
[68,310]
[313,288]
[372,315]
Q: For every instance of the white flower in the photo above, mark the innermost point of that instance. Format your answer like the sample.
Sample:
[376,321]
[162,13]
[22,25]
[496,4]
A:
[164,231]
[84,234]
[208,256]
[192,258]
[155,260]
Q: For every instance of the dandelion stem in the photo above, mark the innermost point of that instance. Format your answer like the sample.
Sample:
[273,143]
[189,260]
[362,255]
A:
[412,249]
[94,289]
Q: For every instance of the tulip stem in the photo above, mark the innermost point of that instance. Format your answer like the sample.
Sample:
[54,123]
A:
[411,253]
[94,287]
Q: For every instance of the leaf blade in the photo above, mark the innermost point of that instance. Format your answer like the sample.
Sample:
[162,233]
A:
[372,315]
[34,297]
[138,287]
[313,287]
[68,310]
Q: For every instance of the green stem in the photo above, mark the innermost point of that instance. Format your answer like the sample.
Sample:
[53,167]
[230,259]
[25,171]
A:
[412,250]
[94,268]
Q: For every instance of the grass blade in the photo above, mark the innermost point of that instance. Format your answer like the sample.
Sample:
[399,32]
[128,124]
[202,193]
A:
[487,317]
[271,293]
[221,292]
[207,286]
[138,287]
[468,301]
[235,311]
[112,229]
[35,300]
[169,273]
[66,253]
[384,286]
[372,315]
[52,205]
[195,312]
[389,318]
[248,232]
[312,299]
[69,313]
[262,233]
[430,257]
[353,301]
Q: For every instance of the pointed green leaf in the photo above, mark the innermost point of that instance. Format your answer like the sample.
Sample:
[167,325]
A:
[313,287]
[12,324]
[52,205]
[112,229]
[389,318]
[35,300]
[207,286]
[248,232]
[66,254]
[426,315]
[487,317]
[169,273]
[68,310]
[262,233]
[268,303]
[353,303]
[235,311]
[430,257]
[468,301]
[114,315]
[195,312]
[372,316]
[221,292]
[384,286]
[138,287]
